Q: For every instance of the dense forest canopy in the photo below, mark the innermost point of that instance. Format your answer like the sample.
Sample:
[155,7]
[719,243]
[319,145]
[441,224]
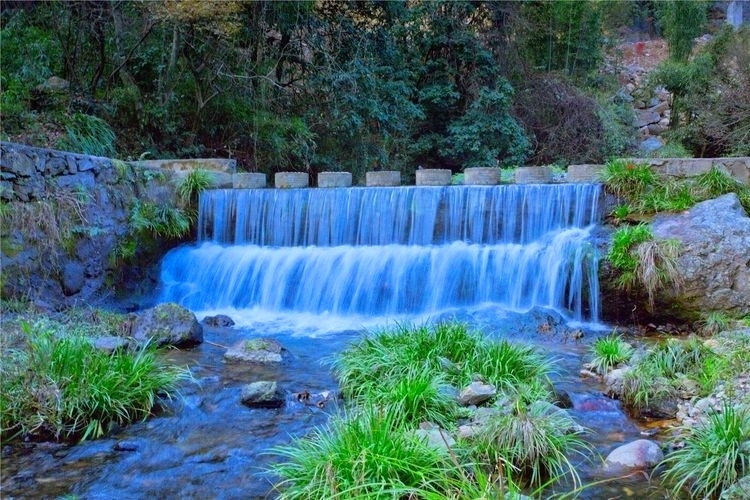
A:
[331,85]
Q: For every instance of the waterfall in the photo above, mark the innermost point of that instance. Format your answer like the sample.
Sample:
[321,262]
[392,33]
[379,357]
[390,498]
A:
[391,251]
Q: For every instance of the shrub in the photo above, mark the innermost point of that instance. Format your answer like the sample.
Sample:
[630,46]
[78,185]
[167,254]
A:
[63,387]
[561,122]
[608,352]
[715,454]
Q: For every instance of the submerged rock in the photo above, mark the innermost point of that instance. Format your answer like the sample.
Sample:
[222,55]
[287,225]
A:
[263,394]
[167,324]
[640,454]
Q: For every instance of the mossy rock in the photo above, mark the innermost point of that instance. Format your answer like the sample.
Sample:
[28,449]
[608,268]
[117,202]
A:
[167,324]
[260,350]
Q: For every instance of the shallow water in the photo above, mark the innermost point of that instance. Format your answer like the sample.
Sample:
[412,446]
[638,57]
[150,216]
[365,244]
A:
[208,445]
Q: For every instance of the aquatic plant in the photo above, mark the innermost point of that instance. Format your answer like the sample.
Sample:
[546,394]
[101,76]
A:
[608,352]
[64,388]
[448,350]
[714,456]
[401,377]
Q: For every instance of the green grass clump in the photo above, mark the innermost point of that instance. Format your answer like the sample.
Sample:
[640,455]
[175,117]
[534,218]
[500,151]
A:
[628,180]
[671,366]
[644,193]
[369,454]
[65,388]
[448,351]
[193,184]
[643,261]
[714,322]
[716,454]
[532,444]
[394,380]
[608,352]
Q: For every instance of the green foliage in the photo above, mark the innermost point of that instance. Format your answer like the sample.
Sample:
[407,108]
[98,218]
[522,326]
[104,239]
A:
[682,22]
[369,454]
[63,387]
[399,378]
[627,179]
[89,135]
[710,106]
[714,456]
[157,221]
[608,352]
[616,117]
[486,134]
[533,441]
[666,369]
[645,193]
[563,35]
[624,240]
[193,184]
[449,350]
[641,260]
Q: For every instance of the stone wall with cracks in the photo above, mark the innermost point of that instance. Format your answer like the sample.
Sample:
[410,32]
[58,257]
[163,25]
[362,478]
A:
[62,217]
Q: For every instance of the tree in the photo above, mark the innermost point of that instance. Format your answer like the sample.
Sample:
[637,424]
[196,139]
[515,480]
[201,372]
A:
[681,22]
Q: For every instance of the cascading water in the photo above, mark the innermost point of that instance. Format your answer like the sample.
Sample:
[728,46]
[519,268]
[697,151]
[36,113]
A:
[391,251]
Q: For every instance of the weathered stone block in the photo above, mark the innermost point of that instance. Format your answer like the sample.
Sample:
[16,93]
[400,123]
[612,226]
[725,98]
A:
[533,175]
[434,177]
[383,178]
[334,179]
[482,176]
[286,180]
[584,173]
[248,180]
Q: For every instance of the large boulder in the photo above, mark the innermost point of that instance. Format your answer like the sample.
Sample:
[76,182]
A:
[167,324]
[714,258]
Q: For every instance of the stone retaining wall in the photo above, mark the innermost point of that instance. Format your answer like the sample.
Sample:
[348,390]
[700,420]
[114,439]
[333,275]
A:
[26,172]
[738,168]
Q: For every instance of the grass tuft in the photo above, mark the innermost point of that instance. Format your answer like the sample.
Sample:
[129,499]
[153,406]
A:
[193,184]
[369,454]
[394,380]
[715,454]
[65,388]
[609,352]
